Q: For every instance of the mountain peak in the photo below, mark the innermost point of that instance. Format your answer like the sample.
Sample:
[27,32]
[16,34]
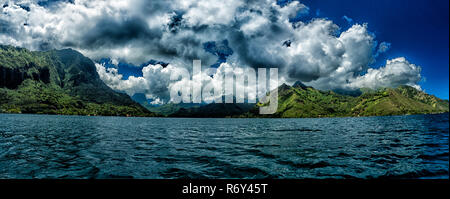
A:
[284,87]
[299,84]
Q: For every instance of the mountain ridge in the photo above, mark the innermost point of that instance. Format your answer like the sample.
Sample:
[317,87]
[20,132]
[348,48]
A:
[309,102]
[58,82]
[301,101]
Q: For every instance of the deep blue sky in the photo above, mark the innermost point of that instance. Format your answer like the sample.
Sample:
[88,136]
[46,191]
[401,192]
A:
[417,30]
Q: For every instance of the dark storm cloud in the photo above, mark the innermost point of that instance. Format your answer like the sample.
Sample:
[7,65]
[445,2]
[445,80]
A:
[25,7]
[111,32]
[251,55]
[49,3]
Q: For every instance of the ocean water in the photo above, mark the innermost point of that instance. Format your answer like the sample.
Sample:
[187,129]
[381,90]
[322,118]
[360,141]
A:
[44,146]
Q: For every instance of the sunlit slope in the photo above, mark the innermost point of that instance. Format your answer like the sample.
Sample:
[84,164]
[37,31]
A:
[398,101]
[303,101]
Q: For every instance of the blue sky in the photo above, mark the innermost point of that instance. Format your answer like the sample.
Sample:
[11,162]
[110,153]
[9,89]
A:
[417,30]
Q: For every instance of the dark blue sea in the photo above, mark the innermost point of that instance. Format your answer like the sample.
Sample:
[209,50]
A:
[45,146]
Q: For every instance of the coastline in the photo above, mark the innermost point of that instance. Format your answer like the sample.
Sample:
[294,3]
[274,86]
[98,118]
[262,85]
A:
[231,117]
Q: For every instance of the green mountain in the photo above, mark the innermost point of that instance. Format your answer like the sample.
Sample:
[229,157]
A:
[58,82]
[214,110]
[193,109]
[165,109]
[302,101]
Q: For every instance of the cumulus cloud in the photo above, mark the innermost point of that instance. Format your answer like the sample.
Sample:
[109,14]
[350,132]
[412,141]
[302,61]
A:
[396,72]
[251,34]
[206,12]
[156,81]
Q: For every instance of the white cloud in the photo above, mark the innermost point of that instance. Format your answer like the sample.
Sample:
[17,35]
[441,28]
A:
[208,12]
[397,72]
[135,31]
[156,83]
[291,10]
[315,51]
[254,22]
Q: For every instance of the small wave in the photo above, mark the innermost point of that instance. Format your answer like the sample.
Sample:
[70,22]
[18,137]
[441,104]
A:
[210,161]
[438,156]
[266,145]
[246,172]
[209,148]
[424,173]
[402,130]
[438,130]
[93,172]
[390,131]
[261,154]
[165,159]
[320,164]
[333,176]
[360,146]
[385,161]
[181,174]
[374,132]
[342,154]
[397,145]
[295,130]
[96,174]
[390,156]
[430,145]
[114,176]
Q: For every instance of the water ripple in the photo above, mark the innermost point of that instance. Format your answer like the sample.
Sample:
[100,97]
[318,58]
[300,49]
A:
[37,146]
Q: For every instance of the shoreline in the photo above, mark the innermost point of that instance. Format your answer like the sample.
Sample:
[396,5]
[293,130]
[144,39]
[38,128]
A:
[40,114]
